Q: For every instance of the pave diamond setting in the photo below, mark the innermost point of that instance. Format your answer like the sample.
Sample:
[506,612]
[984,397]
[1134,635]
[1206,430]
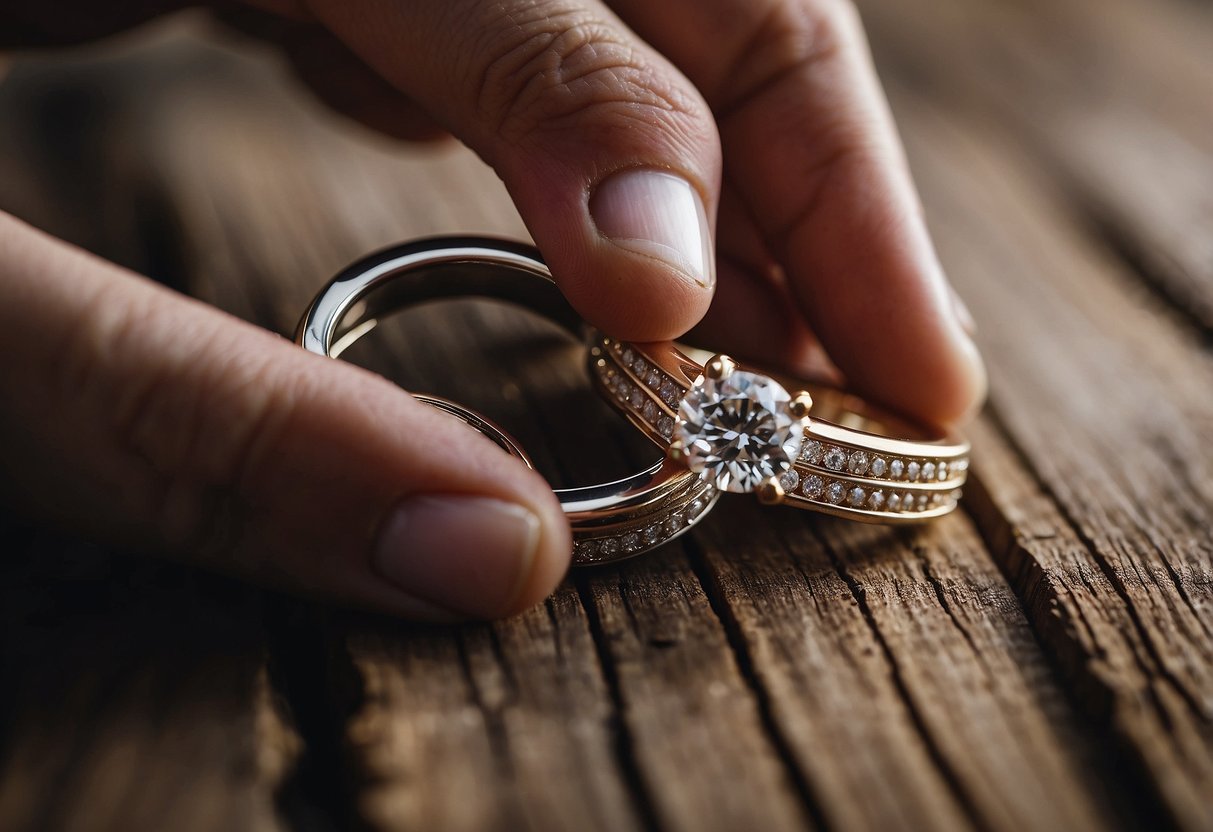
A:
[738,432]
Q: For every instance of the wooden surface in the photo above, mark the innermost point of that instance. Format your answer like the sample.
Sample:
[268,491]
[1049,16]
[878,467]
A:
[1042,660]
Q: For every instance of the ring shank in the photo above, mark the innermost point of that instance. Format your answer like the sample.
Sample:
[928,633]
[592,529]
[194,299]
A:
[610,520]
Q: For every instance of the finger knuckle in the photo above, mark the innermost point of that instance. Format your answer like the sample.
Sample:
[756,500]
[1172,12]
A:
[194,428]
[784,42]
[553,71]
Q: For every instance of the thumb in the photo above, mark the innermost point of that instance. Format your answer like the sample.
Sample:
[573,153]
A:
[149,419]
[610,154]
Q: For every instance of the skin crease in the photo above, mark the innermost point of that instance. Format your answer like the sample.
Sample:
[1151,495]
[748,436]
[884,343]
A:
[769,109]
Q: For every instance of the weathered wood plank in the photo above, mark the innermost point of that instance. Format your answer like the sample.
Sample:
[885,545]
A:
[778,668]
[905,655]
[1105,396]
[982,739]
[134,698]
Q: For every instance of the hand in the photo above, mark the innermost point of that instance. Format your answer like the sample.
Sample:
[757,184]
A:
[247,456]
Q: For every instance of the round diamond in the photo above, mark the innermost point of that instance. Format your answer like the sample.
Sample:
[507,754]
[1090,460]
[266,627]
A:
[912,471]
[651,534]
[835,458]
[858,463]
[896,469]
[878,467]
[637,397]
[894,502]
[610,546]
[812,487]
[857,496]
[943,471]
[789,480]
[665,426]
[631,542]
[876,500]
[907,501]
[650,411]
[640,366]
[628,356]
[835,491]
[587,549]
[737,431]
[811,452]
[928,471]
[653,379]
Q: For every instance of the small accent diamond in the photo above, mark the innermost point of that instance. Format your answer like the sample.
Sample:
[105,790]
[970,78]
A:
[907,501]
[650,411]
[928,471]
[610,546]
[631,542]
[894,502]
[878,467]
[811,452]
[835,491]
[912,471]
[943,471]
[674,522]
[637,398]
[857,496]
[586,549]
[669,393]
[876,500]
[665,426]
[812,487]
[628,356]
[789,480]
[835,458]
[896,469]
[858,463]
[697,506]
[653,379]
[652,534]
[640,366]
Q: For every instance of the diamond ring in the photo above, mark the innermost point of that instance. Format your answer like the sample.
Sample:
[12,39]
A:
[610,521]
[745,431]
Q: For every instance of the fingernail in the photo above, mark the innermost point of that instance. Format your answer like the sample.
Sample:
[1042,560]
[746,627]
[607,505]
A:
[659,215]
[470,555]
[963,315]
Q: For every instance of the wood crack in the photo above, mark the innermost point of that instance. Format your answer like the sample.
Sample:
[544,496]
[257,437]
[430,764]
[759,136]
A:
[946,773]
[709,583]
[624,742]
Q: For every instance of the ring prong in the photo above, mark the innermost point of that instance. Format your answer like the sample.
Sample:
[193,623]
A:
[800,404]
[771,493]
[719,366]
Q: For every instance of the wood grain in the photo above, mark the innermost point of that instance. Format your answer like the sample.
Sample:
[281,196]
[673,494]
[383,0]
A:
[1042,661]
[1105,395]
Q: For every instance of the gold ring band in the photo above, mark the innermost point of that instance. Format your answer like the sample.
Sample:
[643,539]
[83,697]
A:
[815,447]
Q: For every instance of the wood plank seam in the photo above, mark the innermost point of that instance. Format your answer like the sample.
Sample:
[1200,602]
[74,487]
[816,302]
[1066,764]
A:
[624,742]
[745,665]
[1070,640]
[1093,550]
[934,752]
